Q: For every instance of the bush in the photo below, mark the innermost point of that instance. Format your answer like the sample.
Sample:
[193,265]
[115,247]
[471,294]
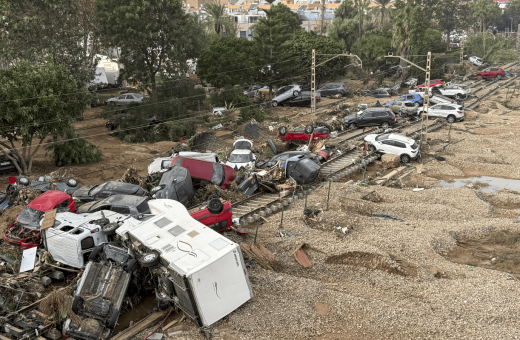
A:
[250,112]
[229,96]
[76,151]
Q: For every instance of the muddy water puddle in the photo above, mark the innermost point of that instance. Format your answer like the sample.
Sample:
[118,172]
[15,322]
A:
[499,251]
[485,184]
[138,312]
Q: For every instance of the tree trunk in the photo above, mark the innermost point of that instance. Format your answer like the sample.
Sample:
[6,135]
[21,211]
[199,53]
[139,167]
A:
[382,17]
[322,17]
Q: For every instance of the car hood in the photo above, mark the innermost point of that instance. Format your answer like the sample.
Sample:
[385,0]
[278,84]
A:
[350,117]
[83,191]
[371,138]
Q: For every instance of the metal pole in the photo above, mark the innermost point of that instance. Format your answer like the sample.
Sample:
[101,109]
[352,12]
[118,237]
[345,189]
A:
[462,52]
[313,84]
[328,196]
[305,199]
[424,131]
[449,133]
[256,234]
[281,221]
[518,37]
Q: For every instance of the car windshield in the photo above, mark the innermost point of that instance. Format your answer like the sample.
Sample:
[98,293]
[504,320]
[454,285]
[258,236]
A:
[415,146]
[239,158]
[137,95]
[245,145]
[30,216]
[382,137]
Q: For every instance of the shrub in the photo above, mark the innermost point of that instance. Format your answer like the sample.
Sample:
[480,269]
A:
[75,151]
[250,112]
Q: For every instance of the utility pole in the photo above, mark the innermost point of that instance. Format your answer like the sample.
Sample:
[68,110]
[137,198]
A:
[322,17]
[518,37]
[424,127]
[462,52]
[313,74]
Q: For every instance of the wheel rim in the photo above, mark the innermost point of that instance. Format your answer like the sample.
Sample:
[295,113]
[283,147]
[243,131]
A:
[275,104]
[149,257]
[405,159]
[384,125]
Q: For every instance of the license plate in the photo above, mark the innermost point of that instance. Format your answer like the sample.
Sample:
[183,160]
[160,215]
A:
[5,163]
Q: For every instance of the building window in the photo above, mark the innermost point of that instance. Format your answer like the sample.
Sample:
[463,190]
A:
[243,34]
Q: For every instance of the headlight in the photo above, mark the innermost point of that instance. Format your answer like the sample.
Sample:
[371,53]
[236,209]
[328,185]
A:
[160,187]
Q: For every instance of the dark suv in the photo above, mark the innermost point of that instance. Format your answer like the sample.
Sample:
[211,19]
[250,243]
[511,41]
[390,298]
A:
[373,116]
[332,89]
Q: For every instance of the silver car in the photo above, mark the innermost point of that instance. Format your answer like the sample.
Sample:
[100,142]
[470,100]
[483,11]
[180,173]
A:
[404,108]
[125,99]
[286,92]
[451,112]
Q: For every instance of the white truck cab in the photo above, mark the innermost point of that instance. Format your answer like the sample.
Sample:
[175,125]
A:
[73,237]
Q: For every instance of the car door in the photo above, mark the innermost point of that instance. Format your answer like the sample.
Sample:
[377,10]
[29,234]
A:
[325,90]
[386,146]
[367,119]
[399,148]
[446,110]
[395,106]
[121,100]
[434,111]
[129,98]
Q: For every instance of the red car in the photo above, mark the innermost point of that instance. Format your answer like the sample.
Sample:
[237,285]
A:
[215,173]
[433,83]
[25,231]
[302,136]
[496,73]
[217,215]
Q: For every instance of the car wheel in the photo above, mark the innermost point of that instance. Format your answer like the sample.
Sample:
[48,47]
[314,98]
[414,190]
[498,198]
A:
[309,129]
[275,103]
[451,119]
[149,259]
[416,105]
[272,146]
[352,126]
[498,77]
[215,206]
[95,252]
[109,229]
[282,130]
[385,125]
[405,159]
[72,182]
[112,103]
[213,196]
[295,93]
[372,148]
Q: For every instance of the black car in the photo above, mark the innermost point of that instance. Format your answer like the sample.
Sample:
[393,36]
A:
[379,93]
[332,89]
[373,116]
[99,191]
[68,187]
[175,184]
[303,100]
[122,204]
[6,165]
[284,156]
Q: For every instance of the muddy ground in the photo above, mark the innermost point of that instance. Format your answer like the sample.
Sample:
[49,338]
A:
[446,266]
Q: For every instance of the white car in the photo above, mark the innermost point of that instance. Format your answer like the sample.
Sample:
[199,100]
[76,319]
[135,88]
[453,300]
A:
[451,112]
[395,144]
[218,111]
[476,61]
[455,90]
[285,92]
[242,156]
[125,99]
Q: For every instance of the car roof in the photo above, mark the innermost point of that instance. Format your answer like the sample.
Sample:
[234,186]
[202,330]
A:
[129,200]
[401,138]
[377,108]
[48,200]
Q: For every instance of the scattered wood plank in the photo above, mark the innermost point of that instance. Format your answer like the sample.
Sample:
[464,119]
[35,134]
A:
[140,326]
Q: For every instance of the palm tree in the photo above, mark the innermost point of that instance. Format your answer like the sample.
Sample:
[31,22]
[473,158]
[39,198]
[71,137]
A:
[383,4]
[216,13]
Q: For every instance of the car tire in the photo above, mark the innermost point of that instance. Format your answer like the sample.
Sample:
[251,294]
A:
[112,103]
[275,103]
[215,206]
[451,119]
[95,252]
[282,130]
[309,129]
[71,182]
[385,125]
[149,259]
[109,229]
[76,300]
[213,196]
[405,159]
[352,126]
[372,148]
[295,93]
[272,146]
[498,77]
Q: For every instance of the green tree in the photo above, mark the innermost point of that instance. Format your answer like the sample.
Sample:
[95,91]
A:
[494,49]
[383,9]
[155,36]
[376,44]
[485,11]
[299,48]
[37,29]
[218,21]
[36,102]
[271,32]
[344,27]
[228,61]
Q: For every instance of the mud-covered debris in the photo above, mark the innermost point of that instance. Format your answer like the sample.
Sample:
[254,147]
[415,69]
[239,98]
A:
[57,306]
[259,254]
[301,257]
